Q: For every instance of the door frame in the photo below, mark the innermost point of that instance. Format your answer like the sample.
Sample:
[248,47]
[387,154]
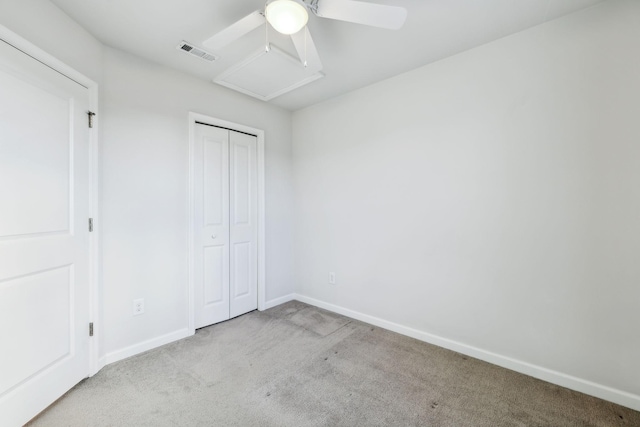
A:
[197,117]
[6,35]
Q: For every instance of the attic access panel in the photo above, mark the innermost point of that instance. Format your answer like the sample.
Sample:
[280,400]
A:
[266,75]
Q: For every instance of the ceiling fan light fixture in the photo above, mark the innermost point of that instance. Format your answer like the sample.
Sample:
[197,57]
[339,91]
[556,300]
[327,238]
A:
[287,16]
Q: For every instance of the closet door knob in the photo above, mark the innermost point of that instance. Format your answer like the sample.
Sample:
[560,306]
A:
[213,236]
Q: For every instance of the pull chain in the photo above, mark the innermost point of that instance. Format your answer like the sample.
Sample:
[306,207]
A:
[305,46]
[266,29]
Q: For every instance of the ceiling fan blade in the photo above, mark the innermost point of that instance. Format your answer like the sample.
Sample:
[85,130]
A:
[307,50]
[235,31]
[375,15]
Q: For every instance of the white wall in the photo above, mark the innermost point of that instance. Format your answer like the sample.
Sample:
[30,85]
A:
[491,200]
[145,190]
[46,26]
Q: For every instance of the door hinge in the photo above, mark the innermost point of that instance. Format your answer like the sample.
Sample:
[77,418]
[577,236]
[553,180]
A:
[90,114]
[90,224]
[91,329]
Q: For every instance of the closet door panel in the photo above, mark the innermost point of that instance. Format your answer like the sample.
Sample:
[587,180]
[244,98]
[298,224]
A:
[211,269]
[243,223]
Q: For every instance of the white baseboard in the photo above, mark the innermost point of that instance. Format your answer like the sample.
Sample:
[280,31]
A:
[277,301]
[578,384]
[147,345]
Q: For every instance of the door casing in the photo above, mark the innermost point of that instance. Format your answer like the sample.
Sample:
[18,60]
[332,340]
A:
[202,118]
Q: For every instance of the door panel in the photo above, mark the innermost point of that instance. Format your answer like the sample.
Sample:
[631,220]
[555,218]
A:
[244,224]
[48,293]
[44,244]
[215,266]
[242,269]
[211,269]
[39,201]
[241,183]
[215,180]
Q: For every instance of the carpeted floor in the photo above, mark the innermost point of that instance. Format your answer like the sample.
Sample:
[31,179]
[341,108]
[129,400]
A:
[297,365]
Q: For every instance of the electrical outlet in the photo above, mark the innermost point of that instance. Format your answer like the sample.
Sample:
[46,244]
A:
[332,278]
[138,306]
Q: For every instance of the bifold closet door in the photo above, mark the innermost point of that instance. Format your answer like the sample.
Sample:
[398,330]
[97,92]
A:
[225,255]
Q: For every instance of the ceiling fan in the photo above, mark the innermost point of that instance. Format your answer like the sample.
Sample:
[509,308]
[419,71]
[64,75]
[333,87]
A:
[290,17]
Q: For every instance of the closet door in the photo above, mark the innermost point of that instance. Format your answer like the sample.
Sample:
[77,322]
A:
[226,229]
[211,237]
[244,224]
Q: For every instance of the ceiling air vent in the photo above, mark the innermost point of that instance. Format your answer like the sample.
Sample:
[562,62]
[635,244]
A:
[192,50]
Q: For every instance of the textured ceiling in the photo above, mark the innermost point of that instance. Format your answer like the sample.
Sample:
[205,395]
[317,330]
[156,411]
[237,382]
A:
[353,55]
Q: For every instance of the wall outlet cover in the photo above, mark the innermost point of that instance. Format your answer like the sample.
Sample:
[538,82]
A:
[332,278]
[138,306]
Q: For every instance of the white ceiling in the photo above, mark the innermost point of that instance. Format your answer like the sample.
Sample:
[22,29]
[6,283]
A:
[353,55]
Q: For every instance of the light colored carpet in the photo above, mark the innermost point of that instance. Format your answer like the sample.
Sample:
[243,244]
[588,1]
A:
[297,365]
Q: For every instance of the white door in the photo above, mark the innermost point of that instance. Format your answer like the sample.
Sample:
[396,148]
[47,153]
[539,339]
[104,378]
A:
[225,260]
[44,256]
